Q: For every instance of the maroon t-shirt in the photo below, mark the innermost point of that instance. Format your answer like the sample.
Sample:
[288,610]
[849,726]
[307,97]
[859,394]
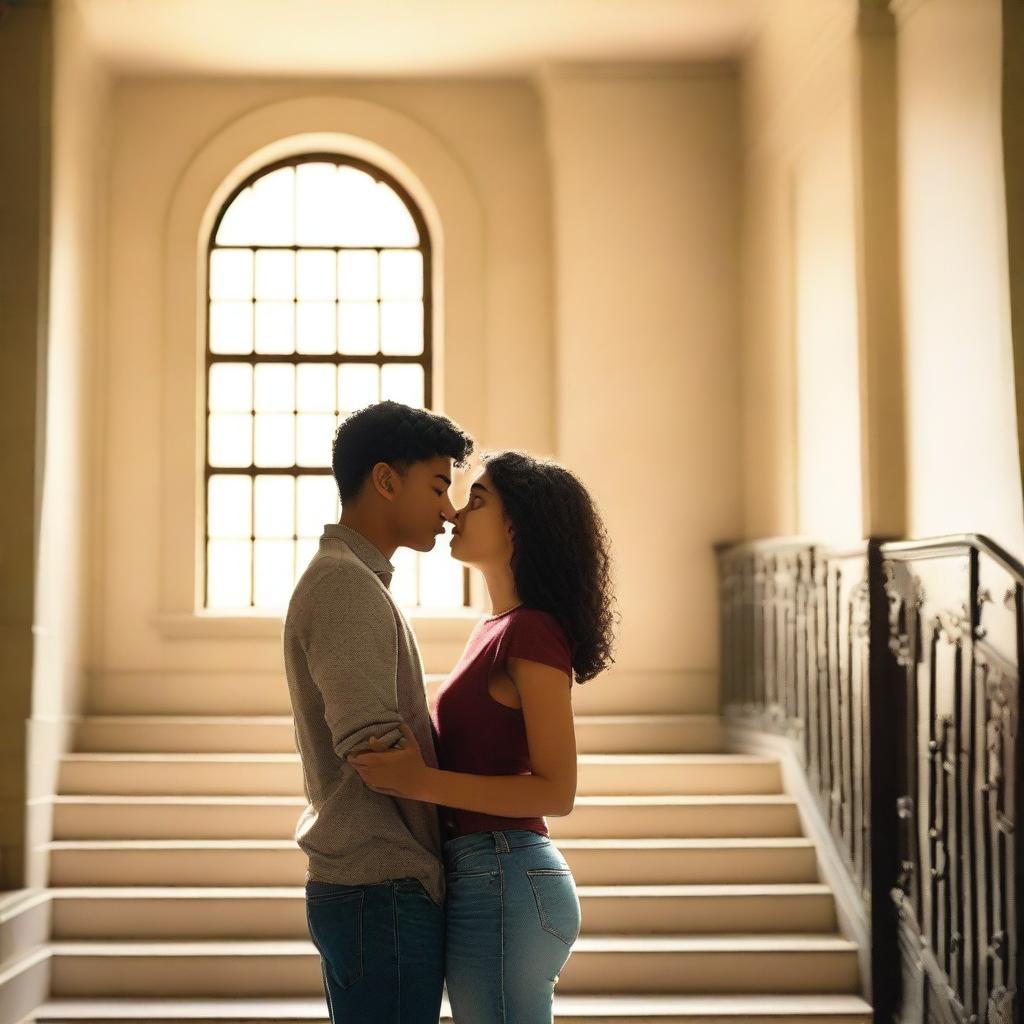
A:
[478,734]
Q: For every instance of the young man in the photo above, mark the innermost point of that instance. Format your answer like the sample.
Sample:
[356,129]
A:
[375,881]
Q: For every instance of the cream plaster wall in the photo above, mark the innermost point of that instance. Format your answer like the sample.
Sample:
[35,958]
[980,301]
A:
[963,470]
[800,400]
[70,453]
[646,181]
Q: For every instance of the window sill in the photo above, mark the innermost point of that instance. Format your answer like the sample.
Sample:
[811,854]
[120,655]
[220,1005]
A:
[429,624]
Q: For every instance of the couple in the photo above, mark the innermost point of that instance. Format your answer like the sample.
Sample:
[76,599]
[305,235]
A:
[429,856]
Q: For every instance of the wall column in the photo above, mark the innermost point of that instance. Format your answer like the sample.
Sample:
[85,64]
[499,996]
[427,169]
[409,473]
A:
[25,76]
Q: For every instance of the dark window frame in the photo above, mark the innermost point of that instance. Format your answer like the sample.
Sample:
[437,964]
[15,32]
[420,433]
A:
[424,359]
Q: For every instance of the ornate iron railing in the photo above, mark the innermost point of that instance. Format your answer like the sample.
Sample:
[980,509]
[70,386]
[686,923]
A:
[893,669]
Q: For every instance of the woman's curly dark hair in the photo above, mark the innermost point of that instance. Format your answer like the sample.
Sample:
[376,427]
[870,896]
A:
[561,558]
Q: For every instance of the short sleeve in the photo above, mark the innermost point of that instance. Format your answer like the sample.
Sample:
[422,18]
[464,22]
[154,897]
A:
[535,635]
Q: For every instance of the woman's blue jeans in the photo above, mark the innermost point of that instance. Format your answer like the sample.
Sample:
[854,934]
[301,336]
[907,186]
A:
[381,950]
[511,917]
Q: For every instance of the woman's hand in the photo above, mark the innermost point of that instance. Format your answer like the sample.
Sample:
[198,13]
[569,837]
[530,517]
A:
[399,771]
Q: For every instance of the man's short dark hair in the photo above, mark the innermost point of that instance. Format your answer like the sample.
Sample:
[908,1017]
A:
[396,434]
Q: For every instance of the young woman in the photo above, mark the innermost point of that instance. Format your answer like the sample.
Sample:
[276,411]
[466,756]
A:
[505,739]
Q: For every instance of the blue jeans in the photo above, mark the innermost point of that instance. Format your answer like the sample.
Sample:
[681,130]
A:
[511,917]
[381,950]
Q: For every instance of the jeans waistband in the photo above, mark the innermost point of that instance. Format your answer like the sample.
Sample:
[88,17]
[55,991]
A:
[499,840]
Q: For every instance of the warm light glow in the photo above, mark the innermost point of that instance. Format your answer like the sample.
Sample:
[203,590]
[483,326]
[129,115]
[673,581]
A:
[318,259]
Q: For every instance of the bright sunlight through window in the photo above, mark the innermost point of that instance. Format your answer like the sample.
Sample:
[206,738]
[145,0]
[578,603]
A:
[319,304]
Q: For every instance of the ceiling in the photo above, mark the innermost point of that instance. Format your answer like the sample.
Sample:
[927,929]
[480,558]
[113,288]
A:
[409,37]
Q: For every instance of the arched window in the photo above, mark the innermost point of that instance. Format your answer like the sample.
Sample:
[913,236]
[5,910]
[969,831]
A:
[319,304]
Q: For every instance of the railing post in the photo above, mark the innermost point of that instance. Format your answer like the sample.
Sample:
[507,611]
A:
[885,702]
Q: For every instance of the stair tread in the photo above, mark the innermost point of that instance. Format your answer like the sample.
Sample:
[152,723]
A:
[741,1006]
[298,891]
[594,800]
[204,757]
[796,842]
[729,942]
[267,719]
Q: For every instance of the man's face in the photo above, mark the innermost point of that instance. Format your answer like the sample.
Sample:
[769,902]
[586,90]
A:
[422,504]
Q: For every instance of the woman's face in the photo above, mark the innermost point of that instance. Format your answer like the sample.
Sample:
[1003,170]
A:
[481,535]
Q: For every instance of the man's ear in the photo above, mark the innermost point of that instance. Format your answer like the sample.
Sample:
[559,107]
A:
[385,480]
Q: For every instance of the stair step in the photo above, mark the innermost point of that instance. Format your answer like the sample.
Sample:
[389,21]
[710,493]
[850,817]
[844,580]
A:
[275,817]
[280,774]
[279,913]
[241,862]
[265,692]
[607,734]
[578,1009]
[598,963]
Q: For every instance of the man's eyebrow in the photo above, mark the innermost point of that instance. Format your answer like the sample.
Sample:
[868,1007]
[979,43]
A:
[481,486]
[444,478]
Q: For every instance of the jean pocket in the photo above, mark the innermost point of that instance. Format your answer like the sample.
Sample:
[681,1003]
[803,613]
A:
[415,887]
[335,921]
[557,902]
[473,862]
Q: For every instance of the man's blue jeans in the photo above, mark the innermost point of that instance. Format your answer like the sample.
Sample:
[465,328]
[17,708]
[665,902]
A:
[381,950]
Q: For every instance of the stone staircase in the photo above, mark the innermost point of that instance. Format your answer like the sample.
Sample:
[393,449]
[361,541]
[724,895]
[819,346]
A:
[176,889]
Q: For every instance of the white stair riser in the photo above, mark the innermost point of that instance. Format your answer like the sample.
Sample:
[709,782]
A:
[657,734]
[274,778]
[285,917]
[594,866]
[585,971]
[266,693]
[239,821]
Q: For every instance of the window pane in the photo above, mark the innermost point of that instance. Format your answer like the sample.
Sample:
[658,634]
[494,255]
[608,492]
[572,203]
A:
[401,274]
[230,439]
[372,212]
[316,388]
[358,386]
[273,208]
[275,274]
[275,440]
[274,565]
[231,327]
[316,273]
[316,328]
[314,433]
[275,506]
[317,504]
[362,294]
[230,387]
[356,191]
[357,275]
[231,274]
[228,573]
[275,327]
[403,583]
[357,328]
[275,387]
[440,576]
[402,383]
[393,224]
[317,207]
[229,506]
[239,225]
[401,328]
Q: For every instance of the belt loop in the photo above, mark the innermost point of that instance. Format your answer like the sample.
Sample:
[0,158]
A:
[501,841]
